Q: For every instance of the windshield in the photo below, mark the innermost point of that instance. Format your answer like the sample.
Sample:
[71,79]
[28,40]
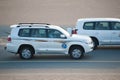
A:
[64,32]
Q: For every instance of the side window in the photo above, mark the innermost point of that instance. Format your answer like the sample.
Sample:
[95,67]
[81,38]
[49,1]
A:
[34,32]
[115,25]
[42,33]
[54,33]
[24,32]
[102,26]
[88,26]
[39,33]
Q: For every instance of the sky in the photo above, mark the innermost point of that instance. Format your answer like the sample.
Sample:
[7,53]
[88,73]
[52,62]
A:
[58,12]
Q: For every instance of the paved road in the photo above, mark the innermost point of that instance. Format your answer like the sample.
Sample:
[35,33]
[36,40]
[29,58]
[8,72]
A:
[100,58]
[101,64]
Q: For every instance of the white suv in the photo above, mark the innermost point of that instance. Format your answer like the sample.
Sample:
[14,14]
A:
[103,31]
[28,39]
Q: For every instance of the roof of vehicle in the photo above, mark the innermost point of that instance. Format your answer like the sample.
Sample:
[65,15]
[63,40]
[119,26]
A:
[29,25]
[33,25]
[99,19]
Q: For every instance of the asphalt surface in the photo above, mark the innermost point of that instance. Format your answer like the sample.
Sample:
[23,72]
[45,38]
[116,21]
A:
[101,64]
[103,58]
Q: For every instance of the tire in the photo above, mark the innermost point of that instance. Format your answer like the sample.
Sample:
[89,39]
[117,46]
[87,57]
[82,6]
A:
[95,42]
[76,52]
[26,53]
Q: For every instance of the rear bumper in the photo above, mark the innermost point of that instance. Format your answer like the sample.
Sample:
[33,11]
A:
[11,48]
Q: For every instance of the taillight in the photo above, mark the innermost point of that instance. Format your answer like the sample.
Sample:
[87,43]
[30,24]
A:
[9,39]
[74,31]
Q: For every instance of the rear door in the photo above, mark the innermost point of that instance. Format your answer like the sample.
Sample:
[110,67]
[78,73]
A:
[103,32]
[39,39]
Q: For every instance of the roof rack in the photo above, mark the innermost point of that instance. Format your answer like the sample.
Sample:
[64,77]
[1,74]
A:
[30,24]
[34,23]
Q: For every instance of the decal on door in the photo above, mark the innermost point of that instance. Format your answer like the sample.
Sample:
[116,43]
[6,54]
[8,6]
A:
[64,45]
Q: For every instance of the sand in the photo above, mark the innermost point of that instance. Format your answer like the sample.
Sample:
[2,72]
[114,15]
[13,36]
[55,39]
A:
[60,74]
[59,12]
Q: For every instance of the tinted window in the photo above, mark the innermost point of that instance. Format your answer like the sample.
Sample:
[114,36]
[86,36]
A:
[116,25]
[24,33]
[89,26]
[54,33]
[41,33]
[102,26]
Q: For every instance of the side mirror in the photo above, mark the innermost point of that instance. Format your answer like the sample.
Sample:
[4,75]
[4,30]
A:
[63,36]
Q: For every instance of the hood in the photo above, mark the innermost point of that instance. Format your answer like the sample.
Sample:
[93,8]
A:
[80,37]
[83,38]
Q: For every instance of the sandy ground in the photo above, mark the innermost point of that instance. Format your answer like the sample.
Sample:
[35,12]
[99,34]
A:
[60,74]
[60,12]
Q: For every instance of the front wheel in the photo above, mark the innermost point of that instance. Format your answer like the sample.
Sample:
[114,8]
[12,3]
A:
[26,53]
[76,52]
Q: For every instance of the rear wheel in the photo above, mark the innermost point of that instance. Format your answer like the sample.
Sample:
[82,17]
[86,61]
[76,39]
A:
[76,52]
[26,53]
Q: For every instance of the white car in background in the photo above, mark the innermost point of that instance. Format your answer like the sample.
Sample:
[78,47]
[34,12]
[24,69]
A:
[103,31]
[27,39]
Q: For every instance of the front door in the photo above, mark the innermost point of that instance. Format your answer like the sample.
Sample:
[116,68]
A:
[56,43]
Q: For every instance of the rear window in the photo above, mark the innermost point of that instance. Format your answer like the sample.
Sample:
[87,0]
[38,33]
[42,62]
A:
[88,26]
[24,33]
